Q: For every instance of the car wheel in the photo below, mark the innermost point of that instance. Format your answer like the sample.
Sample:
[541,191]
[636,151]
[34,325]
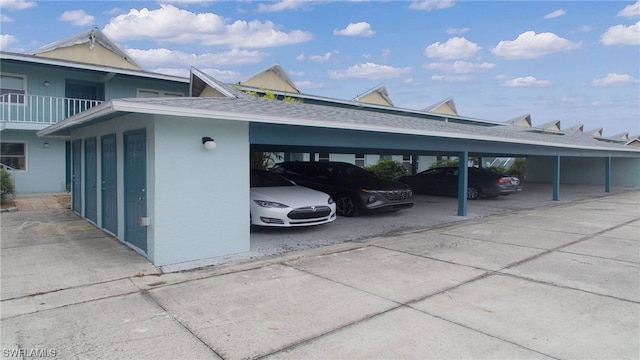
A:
[473,193]
[346,206]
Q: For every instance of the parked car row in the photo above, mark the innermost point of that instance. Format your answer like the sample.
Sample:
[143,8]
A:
[444,181]
[299,193]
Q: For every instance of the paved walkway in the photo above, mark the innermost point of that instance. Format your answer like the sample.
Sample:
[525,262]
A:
[555,282]
[35,202]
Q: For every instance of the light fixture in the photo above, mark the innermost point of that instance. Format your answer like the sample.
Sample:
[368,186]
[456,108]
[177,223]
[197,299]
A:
[46,83]
[46,145]
[208,143]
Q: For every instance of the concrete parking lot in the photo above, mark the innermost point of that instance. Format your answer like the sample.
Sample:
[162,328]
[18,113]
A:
[428,211]
[559,281]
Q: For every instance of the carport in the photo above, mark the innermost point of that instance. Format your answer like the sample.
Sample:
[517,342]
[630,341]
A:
[176,201]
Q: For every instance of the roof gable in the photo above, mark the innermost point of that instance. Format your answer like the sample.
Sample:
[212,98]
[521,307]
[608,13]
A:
[553,126]
[445,107]
[594,132]
[375,96]
[577,128]
[91,47]
[274,78]
[524,120]
[203,85]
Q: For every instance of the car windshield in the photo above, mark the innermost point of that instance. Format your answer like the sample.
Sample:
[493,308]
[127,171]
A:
[349,171]
[268,179]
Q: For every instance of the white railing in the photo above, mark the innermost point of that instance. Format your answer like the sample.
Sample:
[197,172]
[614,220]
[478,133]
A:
[40,109]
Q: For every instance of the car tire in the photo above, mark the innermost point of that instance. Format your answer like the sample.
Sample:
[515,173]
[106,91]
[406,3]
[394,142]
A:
[473,193]
[346,205]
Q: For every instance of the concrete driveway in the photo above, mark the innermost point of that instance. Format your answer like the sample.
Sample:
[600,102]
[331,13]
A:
[557,281]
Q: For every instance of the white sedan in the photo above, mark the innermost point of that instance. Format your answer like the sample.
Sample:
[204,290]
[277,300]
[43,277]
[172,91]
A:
[276,201]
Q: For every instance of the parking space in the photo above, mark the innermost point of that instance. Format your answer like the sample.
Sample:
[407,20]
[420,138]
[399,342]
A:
[555,281]
[428,211]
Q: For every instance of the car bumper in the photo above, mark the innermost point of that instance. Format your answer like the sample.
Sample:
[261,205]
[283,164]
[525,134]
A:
[388,206]
[508,190]
[279,218]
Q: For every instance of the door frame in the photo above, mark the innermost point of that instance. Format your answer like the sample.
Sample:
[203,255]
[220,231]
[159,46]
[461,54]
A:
[135,233]
[109,184]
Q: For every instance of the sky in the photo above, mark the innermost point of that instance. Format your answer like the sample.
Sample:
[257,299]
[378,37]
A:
[573,61]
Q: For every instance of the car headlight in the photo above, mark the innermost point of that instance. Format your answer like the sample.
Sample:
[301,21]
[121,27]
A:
[330,200]
[270,204]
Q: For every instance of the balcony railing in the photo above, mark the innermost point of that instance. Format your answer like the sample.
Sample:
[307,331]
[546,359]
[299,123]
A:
[40,109]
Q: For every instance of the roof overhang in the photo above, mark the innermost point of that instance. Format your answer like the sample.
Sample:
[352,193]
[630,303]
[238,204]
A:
[119,107]
[84,66]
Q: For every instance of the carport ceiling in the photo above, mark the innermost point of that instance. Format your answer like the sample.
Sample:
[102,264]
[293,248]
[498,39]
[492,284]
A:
[278,137]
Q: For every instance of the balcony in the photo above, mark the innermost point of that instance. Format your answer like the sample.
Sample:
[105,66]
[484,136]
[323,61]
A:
[34,112]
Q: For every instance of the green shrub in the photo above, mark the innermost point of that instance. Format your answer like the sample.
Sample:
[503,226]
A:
[6,184]
[444,163]
[518,168]
[387,169]
[497,169]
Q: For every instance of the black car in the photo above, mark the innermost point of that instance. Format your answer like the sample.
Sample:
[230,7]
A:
[354,189]
[444,181]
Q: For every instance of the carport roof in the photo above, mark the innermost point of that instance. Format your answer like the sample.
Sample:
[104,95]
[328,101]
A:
[260,110]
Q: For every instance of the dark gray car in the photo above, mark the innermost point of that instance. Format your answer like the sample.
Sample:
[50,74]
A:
[354,189]
[444,181]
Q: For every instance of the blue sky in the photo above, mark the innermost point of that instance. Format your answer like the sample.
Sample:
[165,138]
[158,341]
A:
[573,61]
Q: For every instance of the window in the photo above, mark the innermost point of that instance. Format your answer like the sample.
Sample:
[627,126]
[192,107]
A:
[13,88]
[144,93]
[14,154]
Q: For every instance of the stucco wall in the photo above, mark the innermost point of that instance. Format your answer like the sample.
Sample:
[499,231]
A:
[45,171]
[586,171]
[197,199]
[201,196]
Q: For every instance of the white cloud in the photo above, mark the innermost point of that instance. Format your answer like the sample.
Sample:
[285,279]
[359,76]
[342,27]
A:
[614,79]
[17,4]
[461,67]
[171,24]
[165,57]
[76,17]
[455,31]
[530,45]
[454,48]
[555,14]
[622,35]
[527,81]
[630,11]
[356,29]
[322,58]
[282,6]
[6,40]
[580,29]
[429,5]
[306,84]
[301,57]
[451,78]
[4,18]
[370,71]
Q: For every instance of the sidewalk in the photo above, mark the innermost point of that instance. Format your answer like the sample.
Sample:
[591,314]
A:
[35,202]
[560,281]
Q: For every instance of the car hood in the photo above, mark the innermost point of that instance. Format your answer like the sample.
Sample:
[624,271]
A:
[293,196]
[371,183]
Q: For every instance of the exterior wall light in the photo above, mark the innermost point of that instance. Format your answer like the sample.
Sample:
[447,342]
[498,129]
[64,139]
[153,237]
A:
[45,145]
[208,143]
[46,83]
